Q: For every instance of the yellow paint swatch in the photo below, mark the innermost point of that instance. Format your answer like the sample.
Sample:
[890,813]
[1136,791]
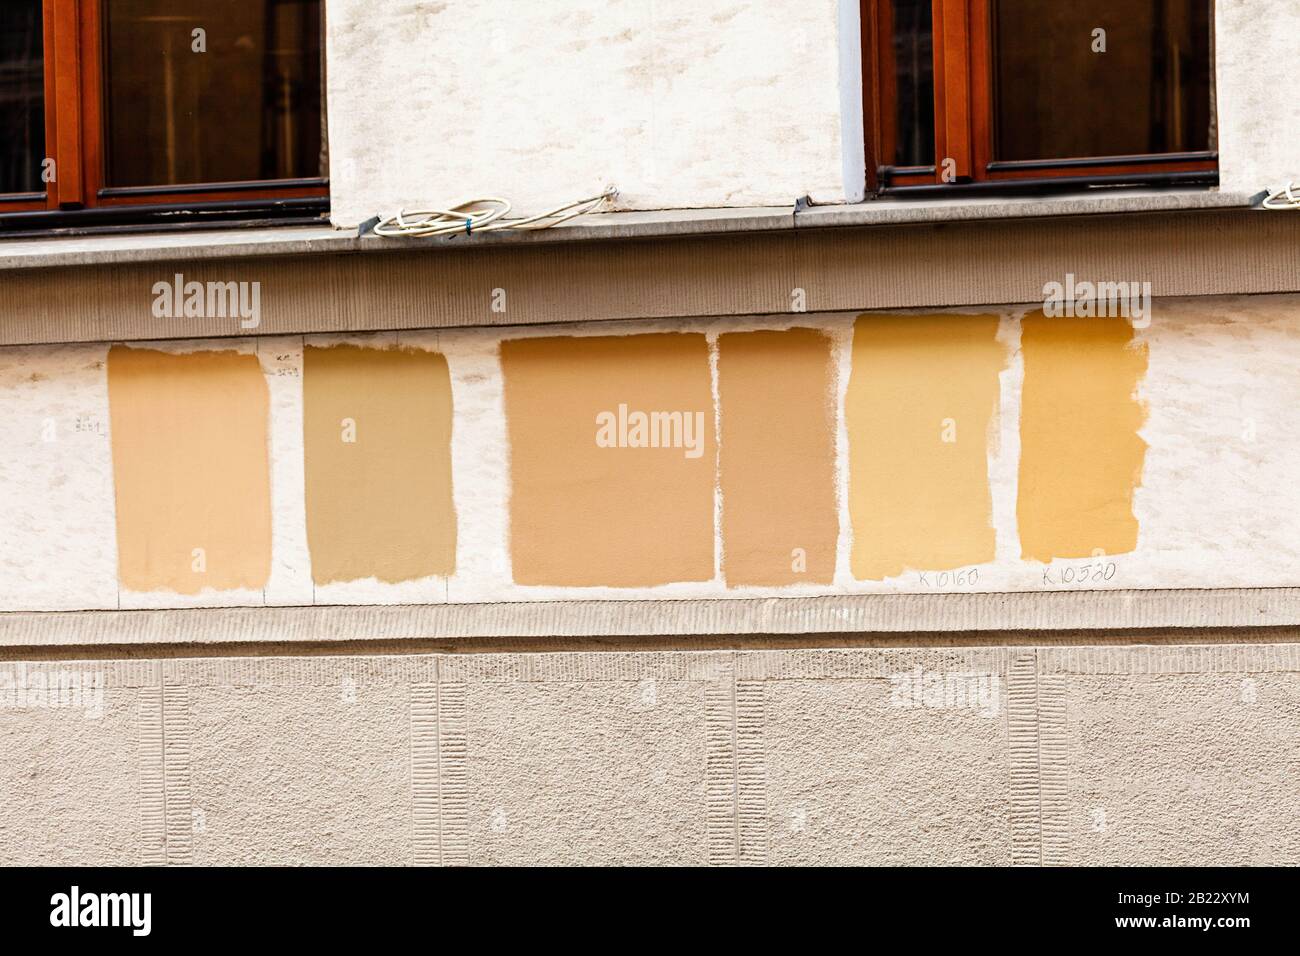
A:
[777,452]
[1080,453]
[377,441]
[921,400]
[190,469]
[612,459]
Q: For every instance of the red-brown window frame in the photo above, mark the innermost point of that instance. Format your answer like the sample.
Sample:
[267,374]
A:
[74,132]
[963,113]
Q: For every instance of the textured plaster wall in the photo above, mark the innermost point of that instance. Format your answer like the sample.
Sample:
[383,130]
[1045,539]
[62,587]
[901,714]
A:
[1258,80]
[252,752]
[54,426]
[1175,764]
[845,767]
[70,781]
[1059,755]
[679,103]
[1214,504]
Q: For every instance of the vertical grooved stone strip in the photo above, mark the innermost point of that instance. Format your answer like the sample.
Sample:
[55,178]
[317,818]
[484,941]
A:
[153,801]
[751,775]
[453,800]
[1053,771]
[426,811]
[176,774]
[720,769]
[1022,743]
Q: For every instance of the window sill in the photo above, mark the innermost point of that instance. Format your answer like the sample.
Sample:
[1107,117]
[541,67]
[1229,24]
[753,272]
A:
[25,253]
[1097,202]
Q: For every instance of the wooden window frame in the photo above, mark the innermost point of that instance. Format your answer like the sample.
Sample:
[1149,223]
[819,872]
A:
[963,117]
[74,135]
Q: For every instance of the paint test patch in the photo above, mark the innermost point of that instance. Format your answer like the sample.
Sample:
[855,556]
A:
[1081,456]
[777,452]
[612,459]
[190,468]
[920,405]
[377,445]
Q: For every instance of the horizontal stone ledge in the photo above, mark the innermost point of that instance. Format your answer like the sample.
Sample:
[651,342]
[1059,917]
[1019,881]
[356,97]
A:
[875,613]
[41,252]
[934,265]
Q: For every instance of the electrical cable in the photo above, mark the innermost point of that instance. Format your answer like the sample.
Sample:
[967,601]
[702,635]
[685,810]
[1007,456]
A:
[1288,197]
[486,214]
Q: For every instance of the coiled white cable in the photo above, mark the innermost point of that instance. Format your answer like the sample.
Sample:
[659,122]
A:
[1288,197]
[481,215]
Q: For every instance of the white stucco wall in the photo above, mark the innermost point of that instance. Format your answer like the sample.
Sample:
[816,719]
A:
[679,103]
[1215,503]
[1258,79]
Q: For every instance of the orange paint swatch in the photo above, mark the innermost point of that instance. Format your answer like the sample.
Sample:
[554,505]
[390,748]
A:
[377,445]
[921,401]
[1080,453]
[777,452]
[612,459]
[190,469]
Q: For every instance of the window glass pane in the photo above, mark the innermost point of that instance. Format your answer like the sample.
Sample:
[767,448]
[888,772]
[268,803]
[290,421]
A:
[1102,78]
[908,77]
[210,91]
[22,97]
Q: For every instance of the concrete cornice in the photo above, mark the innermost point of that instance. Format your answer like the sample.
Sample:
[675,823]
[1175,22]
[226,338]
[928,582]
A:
[900,614]
[921,265]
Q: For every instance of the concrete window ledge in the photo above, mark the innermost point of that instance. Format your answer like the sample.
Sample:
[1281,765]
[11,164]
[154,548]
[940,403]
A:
[298,240]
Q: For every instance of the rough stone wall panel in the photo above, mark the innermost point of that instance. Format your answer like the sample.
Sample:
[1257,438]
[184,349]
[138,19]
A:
[1050,755]
[74,788]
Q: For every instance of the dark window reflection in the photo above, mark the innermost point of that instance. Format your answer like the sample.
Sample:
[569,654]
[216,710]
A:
[1149,92]
[22,97]
[910,73]
[246,108]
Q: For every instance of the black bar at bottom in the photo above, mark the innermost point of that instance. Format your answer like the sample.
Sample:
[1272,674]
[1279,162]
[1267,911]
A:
[964,905]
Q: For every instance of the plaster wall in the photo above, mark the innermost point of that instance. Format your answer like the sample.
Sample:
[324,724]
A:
[1171,754]
[679,103]
[1258,93]
[1211,496]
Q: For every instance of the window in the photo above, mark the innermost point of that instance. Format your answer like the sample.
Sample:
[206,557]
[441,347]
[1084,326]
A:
[1026,92]
[133,107]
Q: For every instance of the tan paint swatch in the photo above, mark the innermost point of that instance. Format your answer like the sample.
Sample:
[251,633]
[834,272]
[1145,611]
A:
[777,455]
[1080,453]
[592,501]
[190,469]
[921,399]
[377,441]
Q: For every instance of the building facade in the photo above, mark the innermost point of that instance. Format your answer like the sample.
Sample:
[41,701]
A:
[809,503]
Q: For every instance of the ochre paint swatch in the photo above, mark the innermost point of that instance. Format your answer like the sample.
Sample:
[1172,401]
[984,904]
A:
[592,501]
[377,441]
[777,453]
[921,399]
[1080,453]
[190,469]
